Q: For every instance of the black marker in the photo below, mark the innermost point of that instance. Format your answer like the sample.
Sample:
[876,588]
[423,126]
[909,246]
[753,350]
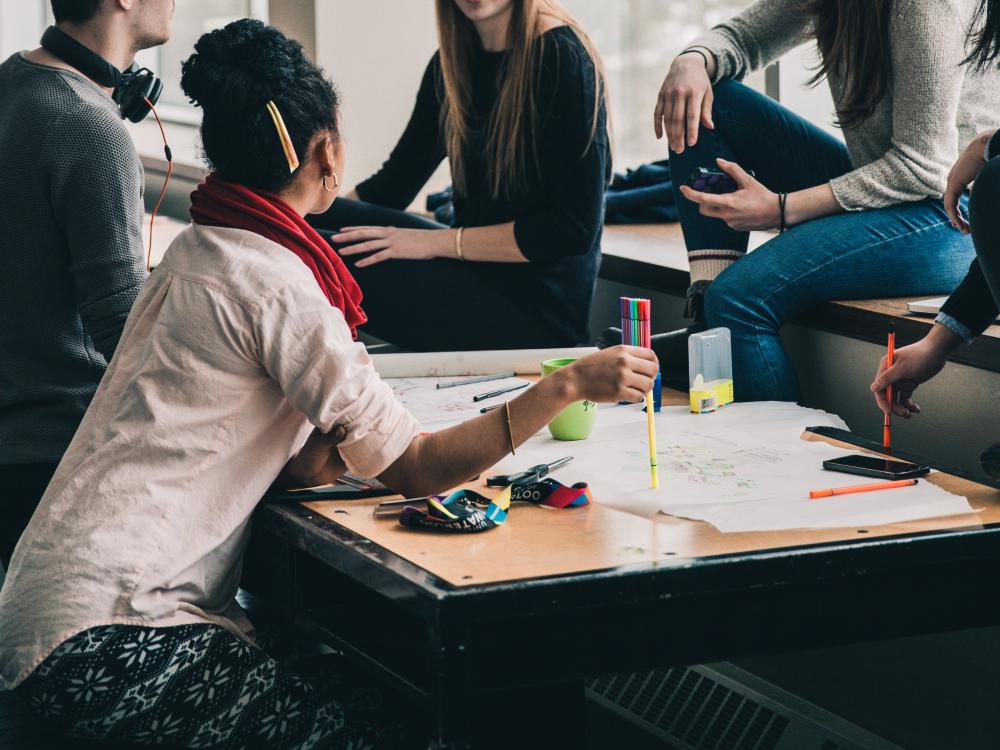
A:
[492,394]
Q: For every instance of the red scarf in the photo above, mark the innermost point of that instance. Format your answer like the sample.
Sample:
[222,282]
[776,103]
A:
[217,203]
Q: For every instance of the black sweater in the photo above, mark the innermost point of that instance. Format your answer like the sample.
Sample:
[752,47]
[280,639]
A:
[558,218]
[71,252]
[972,304]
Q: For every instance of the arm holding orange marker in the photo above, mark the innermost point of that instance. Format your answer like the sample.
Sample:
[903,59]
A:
[889,361]
[912,365]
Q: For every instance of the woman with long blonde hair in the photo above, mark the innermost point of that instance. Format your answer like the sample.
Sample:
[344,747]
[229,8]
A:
[514,98]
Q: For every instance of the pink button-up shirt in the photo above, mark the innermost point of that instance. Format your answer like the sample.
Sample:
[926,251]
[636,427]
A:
[230,356]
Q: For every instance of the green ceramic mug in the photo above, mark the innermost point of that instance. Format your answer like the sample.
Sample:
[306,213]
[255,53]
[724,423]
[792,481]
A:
[576,421]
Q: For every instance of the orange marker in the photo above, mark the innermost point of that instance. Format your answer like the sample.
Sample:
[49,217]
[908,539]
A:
[890,358]
[819,494]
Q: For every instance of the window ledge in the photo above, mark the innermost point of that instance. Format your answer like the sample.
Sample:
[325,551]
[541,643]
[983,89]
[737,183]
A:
[653,256]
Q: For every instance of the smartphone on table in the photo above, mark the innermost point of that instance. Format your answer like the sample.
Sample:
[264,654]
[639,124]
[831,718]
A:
[873,466]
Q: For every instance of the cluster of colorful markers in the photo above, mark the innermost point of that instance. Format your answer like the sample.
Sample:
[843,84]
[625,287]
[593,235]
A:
[637,331]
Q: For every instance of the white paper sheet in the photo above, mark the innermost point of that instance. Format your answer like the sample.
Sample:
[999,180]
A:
[744,468]
[437,409]
[442,364]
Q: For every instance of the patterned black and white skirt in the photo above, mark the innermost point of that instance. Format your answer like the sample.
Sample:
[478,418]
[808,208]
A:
[195,686]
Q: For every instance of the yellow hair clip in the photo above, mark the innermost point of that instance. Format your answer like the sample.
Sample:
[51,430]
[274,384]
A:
[286,140]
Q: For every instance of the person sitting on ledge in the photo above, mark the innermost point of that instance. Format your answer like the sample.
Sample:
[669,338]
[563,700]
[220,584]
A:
[974,306]
[515,99]
[856,221]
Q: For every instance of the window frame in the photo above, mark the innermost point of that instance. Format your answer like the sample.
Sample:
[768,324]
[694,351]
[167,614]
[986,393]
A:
[186,114]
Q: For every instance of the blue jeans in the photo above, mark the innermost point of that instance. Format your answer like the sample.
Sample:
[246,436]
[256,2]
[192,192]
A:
[908,249]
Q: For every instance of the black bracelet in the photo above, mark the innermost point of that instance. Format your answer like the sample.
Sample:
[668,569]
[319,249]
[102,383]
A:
[782,200]
[697,52]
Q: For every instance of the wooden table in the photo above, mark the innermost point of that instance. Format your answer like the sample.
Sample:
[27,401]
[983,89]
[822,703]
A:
[490,636]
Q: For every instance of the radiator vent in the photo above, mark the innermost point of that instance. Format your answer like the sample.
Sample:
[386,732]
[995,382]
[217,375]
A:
[694,710]
[724,708]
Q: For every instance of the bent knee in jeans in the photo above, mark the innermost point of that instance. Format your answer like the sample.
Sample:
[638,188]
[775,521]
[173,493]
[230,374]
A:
[733,301]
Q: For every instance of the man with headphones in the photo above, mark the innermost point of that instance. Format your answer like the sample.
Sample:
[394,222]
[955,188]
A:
[71,215]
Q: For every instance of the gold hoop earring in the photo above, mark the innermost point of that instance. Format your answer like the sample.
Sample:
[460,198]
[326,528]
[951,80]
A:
[336,183]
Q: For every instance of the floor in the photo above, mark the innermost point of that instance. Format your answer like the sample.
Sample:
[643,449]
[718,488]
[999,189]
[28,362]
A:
[19,732]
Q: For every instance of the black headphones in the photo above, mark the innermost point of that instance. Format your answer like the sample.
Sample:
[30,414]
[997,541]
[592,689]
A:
[131,87]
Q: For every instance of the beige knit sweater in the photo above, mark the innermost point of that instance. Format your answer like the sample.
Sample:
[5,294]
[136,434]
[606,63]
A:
[935,106]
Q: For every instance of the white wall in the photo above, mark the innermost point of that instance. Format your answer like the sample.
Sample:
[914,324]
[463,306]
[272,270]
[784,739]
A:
[21,25]
[376,52]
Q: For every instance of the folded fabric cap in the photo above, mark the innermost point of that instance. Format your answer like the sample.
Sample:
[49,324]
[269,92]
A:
[466,511]
[462,511]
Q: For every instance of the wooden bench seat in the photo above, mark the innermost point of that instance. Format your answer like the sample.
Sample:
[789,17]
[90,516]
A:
[652,256]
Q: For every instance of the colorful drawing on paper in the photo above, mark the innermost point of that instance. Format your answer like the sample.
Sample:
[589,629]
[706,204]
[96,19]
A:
[699,466]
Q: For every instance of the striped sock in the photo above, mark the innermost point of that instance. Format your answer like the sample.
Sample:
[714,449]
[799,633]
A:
[707,264]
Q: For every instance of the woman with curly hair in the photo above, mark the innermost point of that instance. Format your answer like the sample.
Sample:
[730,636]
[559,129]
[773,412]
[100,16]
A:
[237,364]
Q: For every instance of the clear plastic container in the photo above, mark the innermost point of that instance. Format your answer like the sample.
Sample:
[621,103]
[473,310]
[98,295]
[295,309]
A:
[710,370]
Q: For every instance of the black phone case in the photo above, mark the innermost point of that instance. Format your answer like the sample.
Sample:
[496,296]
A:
[713,181]
[831,465]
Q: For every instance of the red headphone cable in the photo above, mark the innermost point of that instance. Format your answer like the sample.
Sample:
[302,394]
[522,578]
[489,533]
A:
[166,182]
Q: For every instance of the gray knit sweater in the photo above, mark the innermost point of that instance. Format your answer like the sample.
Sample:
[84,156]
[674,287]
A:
[71,254]
[904,150]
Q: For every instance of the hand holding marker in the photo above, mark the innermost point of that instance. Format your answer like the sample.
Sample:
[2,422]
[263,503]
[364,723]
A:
[887,420]
[637,331]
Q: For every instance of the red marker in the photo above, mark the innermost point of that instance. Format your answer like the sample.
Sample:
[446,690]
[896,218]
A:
[890,358]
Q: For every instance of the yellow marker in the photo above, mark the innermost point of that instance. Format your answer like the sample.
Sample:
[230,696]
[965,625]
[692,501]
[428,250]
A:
[651,425]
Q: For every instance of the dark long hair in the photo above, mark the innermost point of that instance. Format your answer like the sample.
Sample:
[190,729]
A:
[853,40]
[984,38]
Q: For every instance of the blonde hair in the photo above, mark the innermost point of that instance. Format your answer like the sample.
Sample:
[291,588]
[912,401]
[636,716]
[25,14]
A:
[512,133]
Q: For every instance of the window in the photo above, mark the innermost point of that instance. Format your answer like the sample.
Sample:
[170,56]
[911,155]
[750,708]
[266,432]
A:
[22,26]
[192,18]
[637,40]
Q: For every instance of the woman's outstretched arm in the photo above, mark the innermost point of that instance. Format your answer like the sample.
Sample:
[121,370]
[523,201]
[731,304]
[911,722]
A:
[438,462]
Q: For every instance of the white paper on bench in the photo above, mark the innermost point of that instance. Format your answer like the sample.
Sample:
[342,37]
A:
[928,306]
[449,364]
[744,468]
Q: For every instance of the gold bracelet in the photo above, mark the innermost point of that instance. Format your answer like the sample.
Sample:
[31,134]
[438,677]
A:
[510,431]
[458,244]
